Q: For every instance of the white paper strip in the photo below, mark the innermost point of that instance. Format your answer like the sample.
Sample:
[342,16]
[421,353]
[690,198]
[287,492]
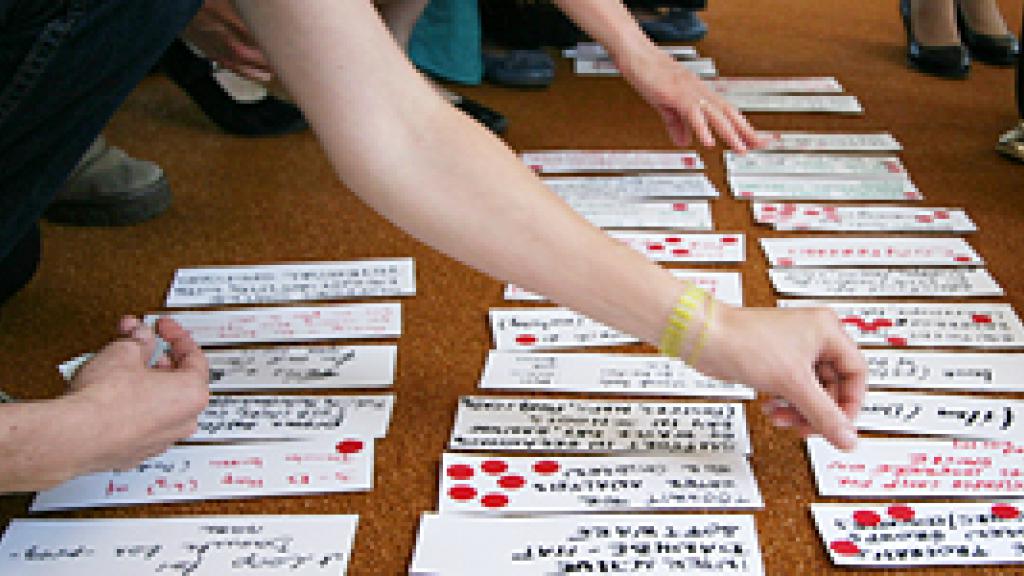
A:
[929,414]
[290,324]
[548,328]
[183,473]
[799,103]
[773,163]
[860,187]
[654,545]
[544,485]
[291,417]
[569,161]
[897,468]
[602,373]
[703,67]
[667,247]
[598,426]
[884,282]
[921,534]
[925,324]
[849,251]
[837,218]
[298,545]
[664,215]
[307,367]
[771,85]
[637,187]
[594,51]
[831,142]
[979,372]
[312,281]
[725,286]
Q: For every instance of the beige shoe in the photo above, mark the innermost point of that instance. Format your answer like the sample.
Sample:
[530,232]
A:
[110,188]
[1011,144]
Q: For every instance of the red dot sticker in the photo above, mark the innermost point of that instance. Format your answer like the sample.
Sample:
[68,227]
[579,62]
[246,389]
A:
[494,501]
[462,493]
[912,195]
[349,446]
[962,259]
[546,467]
[866,518]
[494,467]
[768,208]
[460,472]
[689,161]
[655,247]
[901,512]
[536,168]
[923,218]
[680,252]
[673,240]
[785,261]
[730,240]
[1005,511]
[981,319]
[855,320]
[844,548]
[512,482]
[896,341]
[680,207]
[941,215]
[746,194]
[526,339]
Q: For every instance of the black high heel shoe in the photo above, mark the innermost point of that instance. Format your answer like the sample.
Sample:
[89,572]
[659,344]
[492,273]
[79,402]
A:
[945,61]
[998,50]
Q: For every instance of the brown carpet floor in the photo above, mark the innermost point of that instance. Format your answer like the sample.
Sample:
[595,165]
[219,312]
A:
[252,201]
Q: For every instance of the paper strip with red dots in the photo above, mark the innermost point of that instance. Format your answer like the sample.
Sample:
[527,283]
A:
[300,545]
[850,251]
[853,187]
[632,214]
[650,544]
[298,282]
[583,161]
[885,282]
[634,187]
[234,418]
[772,163]
[889,467]
[725,286]
[602,374]
[669,247]
[921,534]
[545,485]
[831,142]
[924,324]
[183,473]
[806,103]
[855,218]
[290,324]
[703,67]
[981,372]
[485,423]
[548,328]
[957,416]
[776,85]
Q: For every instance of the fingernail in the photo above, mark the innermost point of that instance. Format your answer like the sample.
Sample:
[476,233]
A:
[848,439]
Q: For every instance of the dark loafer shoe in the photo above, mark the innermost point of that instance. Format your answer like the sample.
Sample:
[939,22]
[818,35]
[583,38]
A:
[520,69]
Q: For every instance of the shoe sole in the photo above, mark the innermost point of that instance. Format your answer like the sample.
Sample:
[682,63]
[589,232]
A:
[148,204]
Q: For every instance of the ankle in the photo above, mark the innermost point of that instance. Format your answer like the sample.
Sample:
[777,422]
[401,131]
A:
[933,22]
[984,17]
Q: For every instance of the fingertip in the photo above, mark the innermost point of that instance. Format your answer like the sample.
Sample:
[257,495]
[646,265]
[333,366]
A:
[127,325]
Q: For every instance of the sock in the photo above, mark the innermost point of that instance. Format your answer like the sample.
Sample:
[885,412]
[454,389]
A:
[934,22]
[984,17]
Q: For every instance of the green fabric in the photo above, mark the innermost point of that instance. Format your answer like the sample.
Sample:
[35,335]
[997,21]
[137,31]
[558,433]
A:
[446,41]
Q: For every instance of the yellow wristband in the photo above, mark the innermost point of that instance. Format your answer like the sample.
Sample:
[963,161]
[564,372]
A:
[679,322]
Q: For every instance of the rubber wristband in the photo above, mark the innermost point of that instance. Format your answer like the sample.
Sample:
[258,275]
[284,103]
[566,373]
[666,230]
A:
[679,322]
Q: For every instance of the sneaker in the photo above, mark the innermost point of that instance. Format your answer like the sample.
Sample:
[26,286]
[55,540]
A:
[1011,144]
[110,188]
[678,25]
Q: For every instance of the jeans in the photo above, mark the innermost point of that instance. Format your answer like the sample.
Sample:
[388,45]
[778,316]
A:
[65,67]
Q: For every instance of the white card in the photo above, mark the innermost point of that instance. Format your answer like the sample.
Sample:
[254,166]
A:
[830,142]
[544,485]
[664,215]
[850,251]
[836,218]
[930,414]
[548,328]
[884,282]
[770,85]
[486,423]
[306,367]
[312,281]
[891,468]
[814,103]
[925,324]
[298,545]
[569,161]
[859,187]
[921,534]
[792,163]
[182,473]
[725,286]
[289,324]
[979,372]
[602,374]
[638,187]
[654,545]
[668,247]
[233,418]
[703,67]
[594,51]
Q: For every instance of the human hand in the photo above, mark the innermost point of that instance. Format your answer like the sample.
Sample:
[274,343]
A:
[138,411]
[803,358]
[222,35]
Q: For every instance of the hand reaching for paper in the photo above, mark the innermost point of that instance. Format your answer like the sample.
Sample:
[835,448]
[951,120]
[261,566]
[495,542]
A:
[222,35]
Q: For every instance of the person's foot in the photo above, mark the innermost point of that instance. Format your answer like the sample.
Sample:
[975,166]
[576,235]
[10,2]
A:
[519,68]
[110,188]
[985,32]
[675,25]
[1011,144]
[933,40]
[237,105]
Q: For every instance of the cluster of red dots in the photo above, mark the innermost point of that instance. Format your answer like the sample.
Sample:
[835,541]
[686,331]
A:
[504,480]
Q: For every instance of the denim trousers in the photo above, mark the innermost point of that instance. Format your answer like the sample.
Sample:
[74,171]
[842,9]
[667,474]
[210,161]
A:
[65,67]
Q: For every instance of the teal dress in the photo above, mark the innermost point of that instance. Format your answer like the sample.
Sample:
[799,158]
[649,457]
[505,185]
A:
[446,41]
